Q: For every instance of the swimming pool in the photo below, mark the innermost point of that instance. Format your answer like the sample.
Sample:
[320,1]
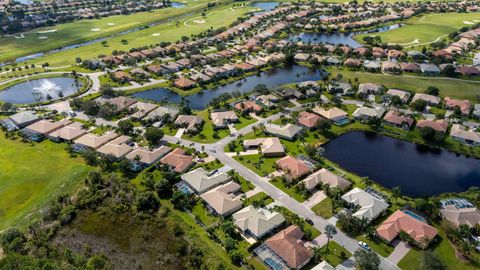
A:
[415,216]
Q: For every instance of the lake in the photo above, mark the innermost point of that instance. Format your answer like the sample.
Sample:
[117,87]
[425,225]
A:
[38,90]
[417,170]
[270,78]
[335,38]
[265,6]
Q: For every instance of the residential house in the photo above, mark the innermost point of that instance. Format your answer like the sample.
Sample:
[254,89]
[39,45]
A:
[430,99]
[68,132]
[118,147]
[430,69]
[141,109]
[268,101]
[460,211]
[372,65]
[324,176]
[476,110]
[120,102]
[368,113]
[464,105]
[308,120]
[121,76]
[201,180]
[390,67]
[293,168]
[440,125]
[184,83]
[177,160]
[161,111]
[288,245]
[269,147]
[191,123]
[419,231]
[19,120]
[142,157]
[369,206]
[224,200]
[365,89]
[334,114]
[403,95]
[324,265]
[341,88]
[409,67]
[468,71]
[398,119]
[247,106]
[464,135]
[301,57]
[288,131]
[93,141]
[38,130]
[223,119]
[257,222]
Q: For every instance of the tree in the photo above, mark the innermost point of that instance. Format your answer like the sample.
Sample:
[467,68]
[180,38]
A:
[430,261]
[330,231]
[125,127]
[419,105]
[147,202]
[365,260]
[107,90]
[163,188]
[396,192]
[396,101]
[78,60]
[153,135]
[432,90]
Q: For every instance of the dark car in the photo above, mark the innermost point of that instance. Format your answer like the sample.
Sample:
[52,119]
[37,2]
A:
[309,221]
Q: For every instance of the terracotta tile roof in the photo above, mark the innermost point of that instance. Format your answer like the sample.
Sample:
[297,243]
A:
[397,118]
[294,167]
[178,160]
[307,119]
[438,125]
[289,246]
[148,156]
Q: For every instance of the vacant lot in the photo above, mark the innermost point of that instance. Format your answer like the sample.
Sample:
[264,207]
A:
[30,175]
[428,28]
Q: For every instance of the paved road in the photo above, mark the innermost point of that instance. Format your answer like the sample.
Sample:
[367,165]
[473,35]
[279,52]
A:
[217,150]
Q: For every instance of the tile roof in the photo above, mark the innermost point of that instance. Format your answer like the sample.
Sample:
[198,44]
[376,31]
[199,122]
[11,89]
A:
[289,246]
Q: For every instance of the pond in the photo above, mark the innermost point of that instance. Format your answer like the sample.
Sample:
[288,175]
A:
[265,6]
[417,170]
[335,38]
[271,78]
[40,90]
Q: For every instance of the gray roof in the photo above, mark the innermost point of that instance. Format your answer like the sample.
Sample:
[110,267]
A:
[288,131]
[201,180]
[24,117]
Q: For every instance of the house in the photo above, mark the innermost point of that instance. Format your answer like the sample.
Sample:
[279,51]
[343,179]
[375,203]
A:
[440,125]
[367,113]
[341,88]
[464,105]
[398,119]
[301,57]
[184,83]
[369,206]
[324,265]
[140,72]
[324,176]
[372,65]
[365,89]
[142,157]
[170,67]
[430,99]
[121,76]
[200,77]
[93,141]
[118,147]
[141,109]
[267,100]
[288,131]
[191,123]
[292,167]
[68,132]
[464,135]
[222,119]
[336,115]
[468,71]
[224,200]
[177,160]
[390,67]
[38,130]
[409,67]
[244,66]
[288,93]
[403,95]
[308,120]
[161,111]
[19,120]
[247,106]
[288,245]
[201,180]
[476,110]
[269,147]
[430,69]
[460,211]
[257,222]
[120,102]
[155,69]
[420,232]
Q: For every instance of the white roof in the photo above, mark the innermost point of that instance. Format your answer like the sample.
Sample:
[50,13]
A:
[258,221]
[201,181]
[324,265]
[288,130]
[222,198]
[370,206]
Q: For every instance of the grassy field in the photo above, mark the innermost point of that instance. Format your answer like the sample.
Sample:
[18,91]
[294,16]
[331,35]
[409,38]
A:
[428,28]
[221,16]
[60,35]
[30,175]
[448,87]
[258,164]
[336,254]
[324,208]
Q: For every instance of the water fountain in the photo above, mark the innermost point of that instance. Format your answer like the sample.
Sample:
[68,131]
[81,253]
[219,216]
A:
[47,89]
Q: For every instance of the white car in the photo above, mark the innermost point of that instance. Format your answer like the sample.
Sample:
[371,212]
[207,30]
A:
[364,246]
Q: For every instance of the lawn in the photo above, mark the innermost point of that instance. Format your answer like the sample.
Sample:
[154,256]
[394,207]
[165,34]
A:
[262,198]
[428,28]
[291,191]
[379,247]
[221,16]
[84,30]
[334,256]
[258,164]
[324,208]
[200,212]
[31,175]
[448,87]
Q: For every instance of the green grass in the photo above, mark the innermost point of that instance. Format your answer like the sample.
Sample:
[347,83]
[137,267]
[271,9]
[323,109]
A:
[426,28]
[258,164]
[324,208]
[260,197]
[444,251]
[221,16]
[209,166]
[379,247]
[448,87]
[244,184]
[289,190]
[30,175]
[334,255]
[203,215]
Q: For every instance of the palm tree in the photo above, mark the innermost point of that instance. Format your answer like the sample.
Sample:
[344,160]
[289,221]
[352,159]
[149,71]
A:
[330,231]
[466,248]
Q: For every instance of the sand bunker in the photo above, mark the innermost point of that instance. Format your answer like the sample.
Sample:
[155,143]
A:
[47,31]
[199,21]
[467,22]
[110,23]
[20,36]
[42,37]
[95,29]
[156,34]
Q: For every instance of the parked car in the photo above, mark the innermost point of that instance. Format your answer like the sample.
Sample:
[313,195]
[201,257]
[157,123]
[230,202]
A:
[309,221]
[364,246]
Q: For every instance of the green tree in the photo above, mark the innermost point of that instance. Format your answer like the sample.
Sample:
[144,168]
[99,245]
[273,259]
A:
[365,260]
[330,232]
[153,135]
[125,127]
[147,202]
[432,90]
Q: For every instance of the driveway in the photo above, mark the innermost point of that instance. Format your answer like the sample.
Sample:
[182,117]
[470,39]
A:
[401,249]
[315,199]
